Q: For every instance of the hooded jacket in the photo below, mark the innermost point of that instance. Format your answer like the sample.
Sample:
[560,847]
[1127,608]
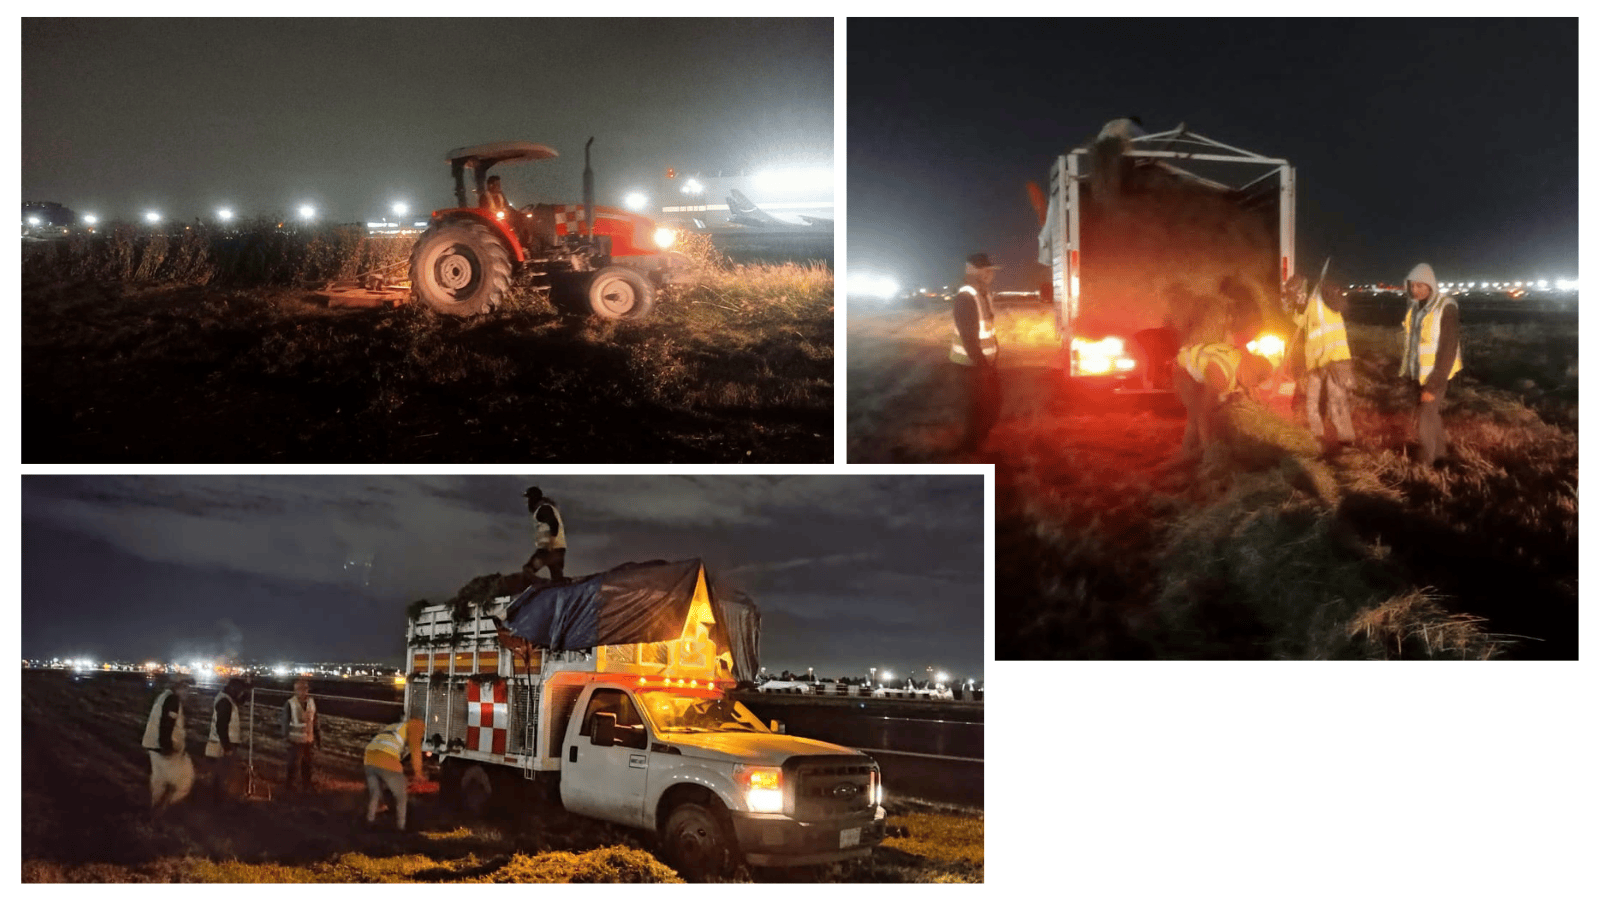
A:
[1432,351]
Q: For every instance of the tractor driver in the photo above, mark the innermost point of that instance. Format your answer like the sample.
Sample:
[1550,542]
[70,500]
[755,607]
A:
[493,200]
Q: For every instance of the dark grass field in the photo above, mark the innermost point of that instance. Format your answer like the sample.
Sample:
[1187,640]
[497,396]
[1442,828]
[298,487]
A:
[85,795]
[1107,546]
[735,368]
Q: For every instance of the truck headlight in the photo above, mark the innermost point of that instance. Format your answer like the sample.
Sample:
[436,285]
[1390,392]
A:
[665,237]
[763,788]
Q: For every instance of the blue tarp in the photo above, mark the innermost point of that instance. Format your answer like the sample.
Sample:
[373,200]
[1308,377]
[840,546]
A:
[636,603]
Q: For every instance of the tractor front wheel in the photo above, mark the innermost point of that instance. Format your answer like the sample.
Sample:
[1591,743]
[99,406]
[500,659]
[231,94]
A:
[460,268]
[614,292]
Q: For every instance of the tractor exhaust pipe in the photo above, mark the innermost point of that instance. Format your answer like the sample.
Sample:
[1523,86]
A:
[588,192]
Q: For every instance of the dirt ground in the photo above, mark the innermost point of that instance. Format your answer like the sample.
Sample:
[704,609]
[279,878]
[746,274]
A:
[1109,545]
[85,814]
[188,374]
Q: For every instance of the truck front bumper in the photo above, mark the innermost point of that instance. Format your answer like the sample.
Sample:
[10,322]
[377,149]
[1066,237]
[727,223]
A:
[775,840]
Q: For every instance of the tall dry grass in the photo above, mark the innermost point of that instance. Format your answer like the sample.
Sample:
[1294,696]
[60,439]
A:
[1109,546]
[258,252]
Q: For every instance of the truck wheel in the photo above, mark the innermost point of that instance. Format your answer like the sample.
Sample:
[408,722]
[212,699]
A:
[618,292]
[476,791]
[460,268]
[697,844]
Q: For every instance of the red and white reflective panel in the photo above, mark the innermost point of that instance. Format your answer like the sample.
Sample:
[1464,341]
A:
[569,220]
[488,717]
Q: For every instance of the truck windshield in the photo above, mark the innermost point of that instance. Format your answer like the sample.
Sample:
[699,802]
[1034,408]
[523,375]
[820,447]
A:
[676,712]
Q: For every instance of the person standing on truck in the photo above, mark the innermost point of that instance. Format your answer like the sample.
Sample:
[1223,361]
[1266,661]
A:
[1323,354]
[975,349]
[383,760]
[549,537]
[166,737]
[302,729]
[1431,356]
[223,748]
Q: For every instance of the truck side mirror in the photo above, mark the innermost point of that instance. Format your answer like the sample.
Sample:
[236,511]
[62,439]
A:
[776,727]
[603,729]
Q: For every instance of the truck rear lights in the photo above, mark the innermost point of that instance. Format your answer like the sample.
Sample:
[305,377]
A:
[1101,357]
[1268,345]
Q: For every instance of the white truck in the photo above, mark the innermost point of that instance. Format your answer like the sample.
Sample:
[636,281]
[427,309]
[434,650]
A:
[610,693]
[1109,267]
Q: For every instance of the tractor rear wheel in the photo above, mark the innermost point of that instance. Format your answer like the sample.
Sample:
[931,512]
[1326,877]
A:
[460,268]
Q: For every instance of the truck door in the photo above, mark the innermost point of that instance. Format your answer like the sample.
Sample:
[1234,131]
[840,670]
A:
[607,782]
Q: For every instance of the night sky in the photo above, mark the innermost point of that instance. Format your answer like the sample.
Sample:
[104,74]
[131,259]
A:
[1452,142]
[185,116]
[849,571]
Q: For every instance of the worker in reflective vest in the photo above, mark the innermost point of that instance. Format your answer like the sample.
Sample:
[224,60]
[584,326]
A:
[1208,376]
[1324,350]
[549,537]
[302,729]
[165,736]
[383,760]
[1431,356]
[974,348]
[223,747]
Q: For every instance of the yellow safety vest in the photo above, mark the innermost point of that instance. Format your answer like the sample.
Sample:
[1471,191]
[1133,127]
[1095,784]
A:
[152,728]
[214,745]
[986,341]
[542,539]
[1196,357]
[389,748]
[1326,342]
[1428,346]
[302,721]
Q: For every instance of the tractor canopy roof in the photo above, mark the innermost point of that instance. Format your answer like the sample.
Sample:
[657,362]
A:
[485,155]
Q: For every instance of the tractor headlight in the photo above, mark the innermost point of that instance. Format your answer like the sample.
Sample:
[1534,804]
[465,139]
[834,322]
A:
[763,788]
[665,237]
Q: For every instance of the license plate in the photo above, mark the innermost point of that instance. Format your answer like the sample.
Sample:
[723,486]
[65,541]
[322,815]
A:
[849,837]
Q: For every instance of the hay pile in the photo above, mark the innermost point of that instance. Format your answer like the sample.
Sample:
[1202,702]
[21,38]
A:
[1166,252]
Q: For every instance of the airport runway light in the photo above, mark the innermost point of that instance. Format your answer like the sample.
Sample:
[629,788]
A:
[90,219]
[152,217]
[307,212]
[225,214]
[635,200]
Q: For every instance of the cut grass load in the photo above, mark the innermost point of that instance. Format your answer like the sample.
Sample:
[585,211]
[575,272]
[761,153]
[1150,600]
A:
[207,363]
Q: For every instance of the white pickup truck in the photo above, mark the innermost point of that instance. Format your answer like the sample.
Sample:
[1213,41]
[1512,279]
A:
[642,733]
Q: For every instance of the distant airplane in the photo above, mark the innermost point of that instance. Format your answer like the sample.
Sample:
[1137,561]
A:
[741,211]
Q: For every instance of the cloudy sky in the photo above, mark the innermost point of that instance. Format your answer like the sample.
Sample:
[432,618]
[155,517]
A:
[849,570]
[183,116]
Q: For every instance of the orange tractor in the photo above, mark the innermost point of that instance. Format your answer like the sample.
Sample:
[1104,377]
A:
[607,261]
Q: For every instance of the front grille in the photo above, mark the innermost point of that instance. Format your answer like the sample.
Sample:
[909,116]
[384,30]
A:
[828,787]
